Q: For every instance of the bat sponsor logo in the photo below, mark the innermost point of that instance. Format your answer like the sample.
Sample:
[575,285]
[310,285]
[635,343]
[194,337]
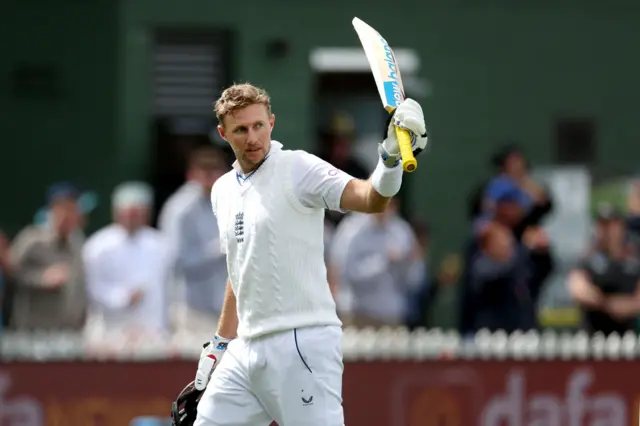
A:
[392,89]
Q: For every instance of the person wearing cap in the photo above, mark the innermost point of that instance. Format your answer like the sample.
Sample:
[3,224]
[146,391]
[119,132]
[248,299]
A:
[128,264]
[606,282]
[506,201]
[87,202]
[47,267]
[503,274]
[520,204]
[200,267]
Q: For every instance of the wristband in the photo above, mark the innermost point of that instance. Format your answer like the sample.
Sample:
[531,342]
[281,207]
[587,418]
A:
[386,180]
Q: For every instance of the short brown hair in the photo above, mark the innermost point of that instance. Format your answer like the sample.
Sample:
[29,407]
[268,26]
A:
[240,96]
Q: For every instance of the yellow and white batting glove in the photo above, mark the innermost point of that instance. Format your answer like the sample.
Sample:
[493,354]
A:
[408,115]
[209,359]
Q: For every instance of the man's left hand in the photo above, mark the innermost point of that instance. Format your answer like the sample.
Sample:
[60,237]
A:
[209,360]
[409,116]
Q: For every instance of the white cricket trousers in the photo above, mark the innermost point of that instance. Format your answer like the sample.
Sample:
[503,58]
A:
[293,377]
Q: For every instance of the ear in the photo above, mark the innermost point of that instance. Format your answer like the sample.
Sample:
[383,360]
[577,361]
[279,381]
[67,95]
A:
[221,131]
[272,120]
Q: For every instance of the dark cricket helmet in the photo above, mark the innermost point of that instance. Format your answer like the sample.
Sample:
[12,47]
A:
[185,408]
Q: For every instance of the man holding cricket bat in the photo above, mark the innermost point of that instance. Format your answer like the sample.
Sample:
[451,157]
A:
[278,322]
[277,352]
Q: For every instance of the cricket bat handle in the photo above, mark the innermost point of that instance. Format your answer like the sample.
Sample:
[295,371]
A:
[409,162]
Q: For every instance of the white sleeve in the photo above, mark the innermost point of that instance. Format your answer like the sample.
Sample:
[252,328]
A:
[317,183]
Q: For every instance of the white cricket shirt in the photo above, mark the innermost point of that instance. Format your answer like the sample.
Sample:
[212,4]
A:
[271,225]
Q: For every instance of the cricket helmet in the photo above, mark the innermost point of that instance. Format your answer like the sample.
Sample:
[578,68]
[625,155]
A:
[185,408]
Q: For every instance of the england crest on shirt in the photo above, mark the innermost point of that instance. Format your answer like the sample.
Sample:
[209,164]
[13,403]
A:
[239,227]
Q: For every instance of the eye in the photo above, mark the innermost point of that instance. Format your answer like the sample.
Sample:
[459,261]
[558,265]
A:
[240,130]
[259,125]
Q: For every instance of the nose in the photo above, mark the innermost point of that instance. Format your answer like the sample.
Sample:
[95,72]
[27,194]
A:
[252,137]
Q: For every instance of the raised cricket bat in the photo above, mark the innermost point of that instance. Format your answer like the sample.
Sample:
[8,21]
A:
[387,76]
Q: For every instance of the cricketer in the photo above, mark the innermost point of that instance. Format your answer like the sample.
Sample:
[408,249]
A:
[276,355]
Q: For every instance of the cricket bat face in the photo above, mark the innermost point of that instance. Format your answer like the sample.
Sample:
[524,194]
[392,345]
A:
[383,65]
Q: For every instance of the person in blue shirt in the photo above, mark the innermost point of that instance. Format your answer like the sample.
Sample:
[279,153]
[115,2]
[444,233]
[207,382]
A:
[503,270]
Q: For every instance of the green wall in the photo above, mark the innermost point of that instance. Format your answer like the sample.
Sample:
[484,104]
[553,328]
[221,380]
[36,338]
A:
[71,135]
[499,71]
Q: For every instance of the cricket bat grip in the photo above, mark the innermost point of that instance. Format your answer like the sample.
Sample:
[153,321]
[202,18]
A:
[409,162]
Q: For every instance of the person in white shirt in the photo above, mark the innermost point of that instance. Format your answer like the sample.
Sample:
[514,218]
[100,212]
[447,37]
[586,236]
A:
[278,322]
[127,266]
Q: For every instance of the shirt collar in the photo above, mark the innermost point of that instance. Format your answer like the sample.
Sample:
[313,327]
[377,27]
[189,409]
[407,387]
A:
[137,234]
[275,147]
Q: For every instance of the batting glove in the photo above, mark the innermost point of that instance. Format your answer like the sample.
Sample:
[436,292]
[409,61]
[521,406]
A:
[408,115]
[209,359]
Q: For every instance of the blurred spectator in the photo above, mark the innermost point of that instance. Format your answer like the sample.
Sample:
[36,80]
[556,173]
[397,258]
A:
[336,144]
[535,202]
[128,265]
[633,219]
[507,161]
[512,167]
[512,206]
[499,282]
[47,267]
[376,257]
[503,275]
[187,219]
[606,284]
[87,202]
[514,202]
[506,213]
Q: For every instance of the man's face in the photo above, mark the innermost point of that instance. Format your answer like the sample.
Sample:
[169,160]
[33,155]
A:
[613,232]
[509,212]
[133,217]
[66,216]
[248,131]
[515,164]
[207,176]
